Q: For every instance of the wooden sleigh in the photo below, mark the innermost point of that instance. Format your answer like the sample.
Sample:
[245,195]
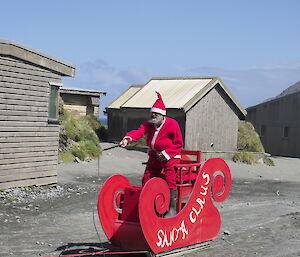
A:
[132,217]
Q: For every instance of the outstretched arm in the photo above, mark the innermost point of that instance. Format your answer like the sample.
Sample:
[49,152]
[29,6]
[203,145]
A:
[134,135]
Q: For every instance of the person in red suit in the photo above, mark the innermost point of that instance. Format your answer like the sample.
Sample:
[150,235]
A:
[165,143]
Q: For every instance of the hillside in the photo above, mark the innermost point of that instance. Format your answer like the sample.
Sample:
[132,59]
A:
[290,90]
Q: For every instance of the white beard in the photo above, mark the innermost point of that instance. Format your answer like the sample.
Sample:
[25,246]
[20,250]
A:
[156,121]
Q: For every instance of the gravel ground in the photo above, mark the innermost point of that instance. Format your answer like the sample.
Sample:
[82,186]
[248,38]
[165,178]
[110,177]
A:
[261,217]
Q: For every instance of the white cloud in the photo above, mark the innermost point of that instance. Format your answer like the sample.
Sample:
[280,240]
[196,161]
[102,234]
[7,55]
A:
[254,85]
[100,75]
[250,86]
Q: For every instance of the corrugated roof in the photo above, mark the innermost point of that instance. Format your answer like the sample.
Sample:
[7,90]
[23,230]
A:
[125,96]
[178,93]
[175,92]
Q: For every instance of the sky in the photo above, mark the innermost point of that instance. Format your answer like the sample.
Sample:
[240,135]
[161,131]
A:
[253,46]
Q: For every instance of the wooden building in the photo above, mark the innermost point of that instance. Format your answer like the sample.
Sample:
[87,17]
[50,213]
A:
[277,121]
[205,109]
[81,102]
[29,127]
[114,113]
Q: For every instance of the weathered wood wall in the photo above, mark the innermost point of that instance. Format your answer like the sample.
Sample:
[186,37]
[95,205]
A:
[114,123]
[211,125]
[80,110]
[81,105]
[28,144]
[278,124]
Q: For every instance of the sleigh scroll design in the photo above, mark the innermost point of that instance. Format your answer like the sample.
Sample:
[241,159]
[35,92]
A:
[139,211]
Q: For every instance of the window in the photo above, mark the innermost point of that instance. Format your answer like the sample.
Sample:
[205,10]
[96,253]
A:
[53,103]
[286,132]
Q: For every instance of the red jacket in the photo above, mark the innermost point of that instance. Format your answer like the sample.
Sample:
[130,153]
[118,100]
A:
[166,139]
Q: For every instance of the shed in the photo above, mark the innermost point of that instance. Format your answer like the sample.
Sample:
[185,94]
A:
[277,121]
[113,111]
[81,102]
[29,127]
[204,107]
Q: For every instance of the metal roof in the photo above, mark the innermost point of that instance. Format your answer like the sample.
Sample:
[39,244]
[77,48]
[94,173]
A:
[178,93]
[127,94]
[80,91]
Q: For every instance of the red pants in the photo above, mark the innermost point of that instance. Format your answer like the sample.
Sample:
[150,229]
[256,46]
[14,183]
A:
[163,170]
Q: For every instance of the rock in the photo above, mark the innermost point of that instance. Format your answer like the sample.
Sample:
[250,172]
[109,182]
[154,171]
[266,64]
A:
[77,160]
[260,161]
[227,232]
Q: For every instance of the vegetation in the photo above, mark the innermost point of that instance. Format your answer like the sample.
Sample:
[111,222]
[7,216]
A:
[249,142]
[268,161]
[245,157]
[79,137]
[248,139]
[66,156]
[94,123]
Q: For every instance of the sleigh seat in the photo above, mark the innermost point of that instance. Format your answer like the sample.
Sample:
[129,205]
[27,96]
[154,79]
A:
[187,172]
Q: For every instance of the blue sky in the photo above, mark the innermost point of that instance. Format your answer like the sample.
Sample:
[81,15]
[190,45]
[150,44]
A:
[252,45]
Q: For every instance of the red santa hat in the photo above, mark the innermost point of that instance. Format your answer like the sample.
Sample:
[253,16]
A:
[159,106]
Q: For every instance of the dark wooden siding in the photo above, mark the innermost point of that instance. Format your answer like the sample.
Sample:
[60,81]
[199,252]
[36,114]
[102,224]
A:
[211,121]
[114,122]
[28,144]
[278,124]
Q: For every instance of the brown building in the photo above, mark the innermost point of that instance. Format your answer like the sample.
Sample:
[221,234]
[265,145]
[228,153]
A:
[205,109]
[29,127]
[114,113]
[81,102]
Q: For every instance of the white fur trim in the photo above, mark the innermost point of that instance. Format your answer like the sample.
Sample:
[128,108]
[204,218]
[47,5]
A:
[160,111]
[127,137]
[166,155]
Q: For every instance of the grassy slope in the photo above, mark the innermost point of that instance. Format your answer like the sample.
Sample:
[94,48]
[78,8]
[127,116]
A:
[248,142]
[79,137]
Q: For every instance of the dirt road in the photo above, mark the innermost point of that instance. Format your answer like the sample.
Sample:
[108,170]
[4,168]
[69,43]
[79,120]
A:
[261,217]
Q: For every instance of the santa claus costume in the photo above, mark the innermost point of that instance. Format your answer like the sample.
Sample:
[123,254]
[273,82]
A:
[165,140]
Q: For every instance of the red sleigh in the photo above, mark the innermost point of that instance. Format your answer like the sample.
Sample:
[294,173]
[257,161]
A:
[132,217]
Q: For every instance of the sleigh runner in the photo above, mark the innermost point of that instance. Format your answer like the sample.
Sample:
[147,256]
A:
[133,219]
